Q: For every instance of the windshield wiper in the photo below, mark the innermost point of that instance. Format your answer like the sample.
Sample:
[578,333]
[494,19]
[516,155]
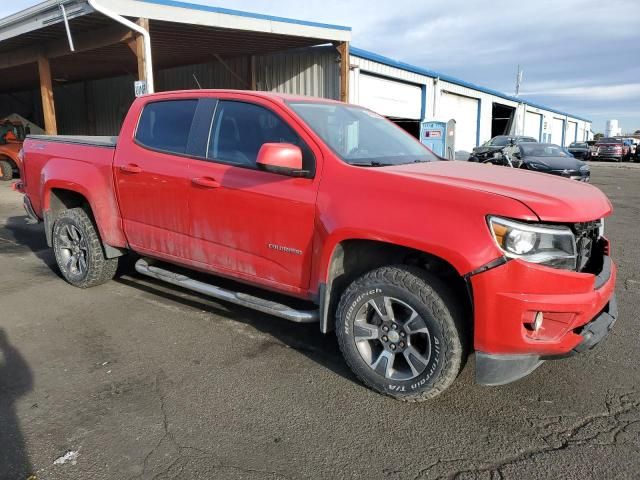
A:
[372,163]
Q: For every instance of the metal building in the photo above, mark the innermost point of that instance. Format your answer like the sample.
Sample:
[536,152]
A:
[71,65]
[409,95]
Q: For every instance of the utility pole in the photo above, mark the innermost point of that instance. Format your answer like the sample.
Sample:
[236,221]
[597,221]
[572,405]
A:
[518,80]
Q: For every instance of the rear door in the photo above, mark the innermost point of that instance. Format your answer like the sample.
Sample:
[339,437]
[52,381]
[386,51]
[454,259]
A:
[247,222]
[153,179]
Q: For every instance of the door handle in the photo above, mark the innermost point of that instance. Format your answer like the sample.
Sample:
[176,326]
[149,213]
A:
[206,182]
[131,168]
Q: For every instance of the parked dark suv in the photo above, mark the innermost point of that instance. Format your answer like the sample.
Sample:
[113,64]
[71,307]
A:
[580,150]
[497,144]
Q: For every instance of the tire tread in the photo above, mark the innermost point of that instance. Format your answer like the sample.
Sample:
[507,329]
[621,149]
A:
[101,269]
[438,298]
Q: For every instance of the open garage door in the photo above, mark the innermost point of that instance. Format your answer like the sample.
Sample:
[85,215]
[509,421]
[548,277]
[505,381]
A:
[532,125]
[557,128]
[501,119]
[390,98]
[464,110]
[572,133]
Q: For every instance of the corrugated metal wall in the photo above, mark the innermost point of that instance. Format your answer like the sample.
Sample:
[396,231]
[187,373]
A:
[97,107]
[314,72]
[209,75]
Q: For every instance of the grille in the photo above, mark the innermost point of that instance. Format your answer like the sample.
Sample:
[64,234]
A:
[587,236]
[609,150]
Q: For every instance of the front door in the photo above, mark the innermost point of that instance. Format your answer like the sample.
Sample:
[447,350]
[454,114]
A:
[247,222]
[153,179]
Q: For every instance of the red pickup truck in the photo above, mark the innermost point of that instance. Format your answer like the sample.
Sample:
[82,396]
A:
[413,261]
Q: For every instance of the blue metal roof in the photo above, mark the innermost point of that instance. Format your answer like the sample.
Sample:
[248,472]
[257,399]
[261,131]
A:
[239,13]
[358,52]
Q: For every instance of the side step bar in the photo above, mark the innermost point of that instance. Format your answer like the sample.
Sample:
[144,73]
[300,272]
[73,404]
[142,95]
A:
[249,301]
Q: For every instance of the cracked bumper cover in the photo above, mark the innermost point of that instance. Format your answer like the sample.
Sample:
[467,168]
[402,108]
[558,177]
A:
[494,370]
[580,309]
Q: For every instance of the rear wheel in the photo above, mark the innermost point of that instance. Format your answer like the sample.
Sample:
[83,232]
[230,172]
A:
[78,250]
[6,170]
[400,332]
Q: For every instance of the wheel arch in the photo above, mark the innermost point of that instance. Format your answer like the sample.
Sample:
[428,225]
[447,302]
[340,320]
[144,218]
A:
[351,258]
[58,198]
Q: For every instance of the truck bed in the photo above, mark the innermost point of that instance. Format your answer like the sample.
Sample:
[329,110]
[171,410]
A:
[94,141]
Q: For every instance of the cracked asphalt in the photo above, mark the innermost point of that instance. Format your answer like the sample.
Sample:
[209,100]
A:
[135,380]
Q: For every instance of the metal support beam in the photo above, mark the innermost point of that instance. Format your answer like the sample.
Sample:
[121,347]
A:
[46,92]
[343,50]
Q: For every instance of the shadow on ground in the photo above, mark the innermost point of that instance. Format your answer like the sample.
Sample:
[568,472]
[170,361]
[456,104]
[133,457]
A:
[304,338]
[15,381]
[18,236]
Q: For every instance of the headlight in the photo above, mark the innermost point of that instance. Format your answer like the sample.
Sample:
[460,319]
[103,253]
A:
[554,246]
[584,168]
[538,166]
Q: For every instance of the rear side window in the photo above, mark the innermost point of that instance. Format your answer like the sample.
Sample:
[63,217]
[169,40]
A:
[165,126]
[240,129]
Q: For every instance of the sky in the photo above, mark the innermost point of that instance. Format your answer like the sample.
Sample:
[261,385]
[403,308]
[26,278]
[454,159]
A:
[578,56]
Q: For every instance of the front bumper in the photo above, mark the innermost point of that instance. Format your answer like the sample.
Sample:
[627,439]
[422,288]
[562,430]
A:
[579,309]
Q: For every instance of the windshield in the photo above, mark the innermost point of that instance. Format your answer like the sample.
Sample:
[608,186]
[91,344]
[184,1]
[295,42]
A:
[500,141]
[578,145]
[503,141]
[361,137]
[609,140]
[542,150]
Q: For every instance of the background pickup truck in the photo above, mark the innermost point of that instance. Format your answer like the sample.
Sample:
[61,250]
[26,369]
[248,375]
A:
[413,261]
[611,149]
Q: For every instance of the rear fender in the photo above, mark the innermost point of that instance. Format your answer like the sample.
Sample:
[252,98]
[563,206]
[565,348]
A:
[95,184]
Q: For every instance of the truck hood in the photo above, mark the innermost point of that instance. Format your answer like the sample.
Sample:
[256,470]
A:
[551,198]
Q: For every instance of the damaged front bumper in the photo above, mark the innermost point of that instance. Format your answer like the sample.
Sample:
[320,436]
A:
[492,370]
[579,309]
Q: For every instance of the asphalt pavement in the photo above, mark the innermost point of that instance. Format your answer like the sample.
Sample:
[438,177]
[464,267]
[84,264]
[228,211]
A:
[134,379]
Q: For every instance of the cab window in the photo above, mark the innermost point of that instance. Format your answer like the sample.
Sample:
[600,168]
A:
[165,125]
[240,129]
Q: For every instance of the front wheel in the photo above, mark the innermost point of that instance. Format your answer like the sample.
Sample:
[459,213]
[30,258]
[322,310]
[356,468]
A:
[400,332]
[78,250]
[6,171]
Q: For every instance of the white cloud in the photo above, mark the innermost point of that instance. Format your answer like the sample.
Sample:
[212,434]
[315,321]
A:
[595,92]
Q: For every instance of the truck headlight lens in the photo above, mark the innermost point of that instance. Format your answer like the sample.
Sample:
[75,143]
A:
[551,245]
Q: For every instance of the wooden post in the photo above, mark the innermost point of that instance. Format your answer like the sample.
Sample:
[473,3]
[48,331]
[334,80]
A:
[142,73]
[46,92]
[343,50]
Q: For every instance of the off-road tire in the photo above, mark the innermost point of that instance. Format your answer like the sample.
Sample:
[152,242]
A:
[6,171]
[99,269]
[442,313]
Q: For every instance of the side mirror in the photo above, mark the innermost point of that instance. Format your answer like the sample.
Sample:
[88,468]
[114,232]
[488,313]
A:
[282,158]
